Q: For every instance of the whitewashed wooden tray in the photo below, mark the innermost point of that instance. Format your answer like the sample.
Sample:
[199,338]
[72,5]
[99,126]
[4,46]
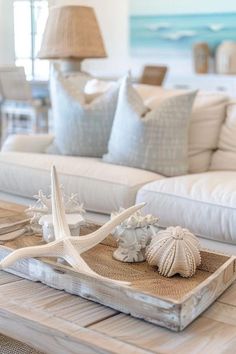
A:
[169,302]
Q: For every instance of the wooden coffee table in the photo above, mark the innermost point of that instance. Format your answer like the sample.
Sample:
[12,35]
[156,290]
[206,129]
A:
[56,322]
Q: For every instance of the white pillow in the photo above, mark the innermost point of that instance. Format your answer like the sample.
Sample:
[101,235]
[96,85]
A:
[155,140]
[208,114]
[81,129]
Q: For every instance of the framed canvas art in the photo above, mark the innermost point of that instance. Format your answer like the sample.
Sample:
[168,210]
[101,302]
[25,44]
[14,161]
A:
[164,27]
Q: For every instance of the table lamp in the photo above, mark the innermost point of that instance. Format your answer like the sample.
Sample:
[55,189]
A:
[72,34]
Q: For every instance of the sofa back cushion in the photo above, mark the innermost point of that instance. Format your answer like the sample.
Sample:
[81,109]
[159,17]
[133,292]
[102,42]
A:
[224,158]
[208,114]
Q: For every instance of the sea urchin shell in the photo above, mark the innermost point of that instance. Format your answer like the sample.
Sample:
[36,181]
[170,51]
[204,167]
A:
[174,251]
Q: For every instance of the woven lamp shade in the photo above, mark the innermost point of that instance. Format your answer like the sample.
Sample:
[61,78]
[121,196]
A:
[72,32]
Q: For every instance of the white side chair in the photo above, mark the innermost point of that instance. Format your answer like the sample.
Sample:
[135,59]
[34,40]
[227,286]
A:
[17,101]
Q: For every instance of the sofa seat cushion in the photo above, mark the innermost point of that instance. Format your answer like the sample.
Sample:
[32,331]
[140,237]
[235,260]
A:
[101,187]
[204,203]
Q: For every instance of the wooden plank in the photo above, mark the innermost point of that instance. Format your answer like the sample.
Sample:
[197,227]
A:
[229,296]
[59,304]
[39,324]
[204,335]
[222,313]
[6,278]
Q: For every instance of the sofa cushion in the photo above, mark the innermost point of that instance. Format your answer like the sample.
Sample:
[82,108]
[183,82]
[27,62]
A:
[224,157]
[27,143]
[208,114]
[209,111]
[101,187]
[81,128]
[204,203]
[154,140]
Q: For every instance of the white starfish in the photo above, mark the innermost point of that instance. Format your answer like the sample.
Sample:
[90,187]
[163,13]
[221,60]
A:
[66,246]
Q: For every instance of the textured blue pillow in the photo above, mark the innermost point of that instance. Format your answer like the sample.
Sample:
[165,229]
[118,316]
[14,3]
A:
[81,128]
[155,140]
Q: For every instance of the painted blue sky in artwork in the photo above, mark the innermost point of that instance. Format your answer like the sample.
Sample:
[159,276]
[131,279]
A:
[168,33]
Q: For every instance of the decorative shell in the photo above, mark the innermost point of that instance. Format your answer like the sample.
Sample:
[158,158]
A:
[174,251]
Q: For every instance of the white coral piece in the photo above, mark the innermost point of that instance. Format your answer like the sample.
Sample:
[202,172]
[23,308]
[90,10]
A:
[137,220]
[133,235]
[174,251]
[43,206]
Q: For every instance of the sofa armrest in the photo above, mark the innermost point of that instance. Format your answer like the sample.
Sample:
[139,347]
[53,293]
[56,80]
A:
[28,143]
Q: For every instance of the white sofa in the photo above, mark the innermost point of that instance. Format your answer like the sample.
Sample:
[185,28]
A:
[203,201]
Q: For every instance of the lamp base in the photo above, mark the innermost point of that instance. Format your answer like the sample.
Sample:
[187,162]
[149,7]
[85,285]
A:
[70,65]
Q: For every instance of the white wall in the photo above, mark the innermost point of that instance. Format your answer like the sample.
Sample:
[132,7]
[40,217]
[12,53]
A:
[158,7]
[7,54]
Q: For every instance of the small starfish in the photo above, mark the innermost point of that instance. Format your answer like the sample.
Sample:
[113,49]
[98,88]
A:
[66,246]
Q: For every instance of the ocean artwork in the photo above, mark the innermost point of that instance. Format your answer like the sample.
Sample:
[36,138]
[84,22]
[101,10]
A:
[165,34]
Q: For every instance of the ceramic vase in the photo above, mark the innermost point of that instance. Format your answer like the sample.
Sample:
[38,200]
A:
[226,58]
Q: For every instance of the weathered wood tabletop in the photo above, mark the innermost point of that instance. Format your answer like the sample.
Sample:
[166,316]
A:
[56,322]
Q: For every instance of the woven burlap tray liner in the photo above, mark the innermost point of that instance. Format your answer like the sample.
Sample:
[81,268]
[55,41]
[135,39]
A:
[141,275]
[11,346]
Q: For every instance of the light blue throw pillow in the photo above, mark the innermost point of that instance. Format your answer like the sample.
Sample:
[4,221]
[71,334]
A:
[155,140]
[81,128]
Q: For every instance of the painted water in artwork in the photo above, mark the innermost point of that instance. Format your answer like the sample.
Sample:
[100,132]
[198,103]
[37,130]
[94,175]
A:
[163,34]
